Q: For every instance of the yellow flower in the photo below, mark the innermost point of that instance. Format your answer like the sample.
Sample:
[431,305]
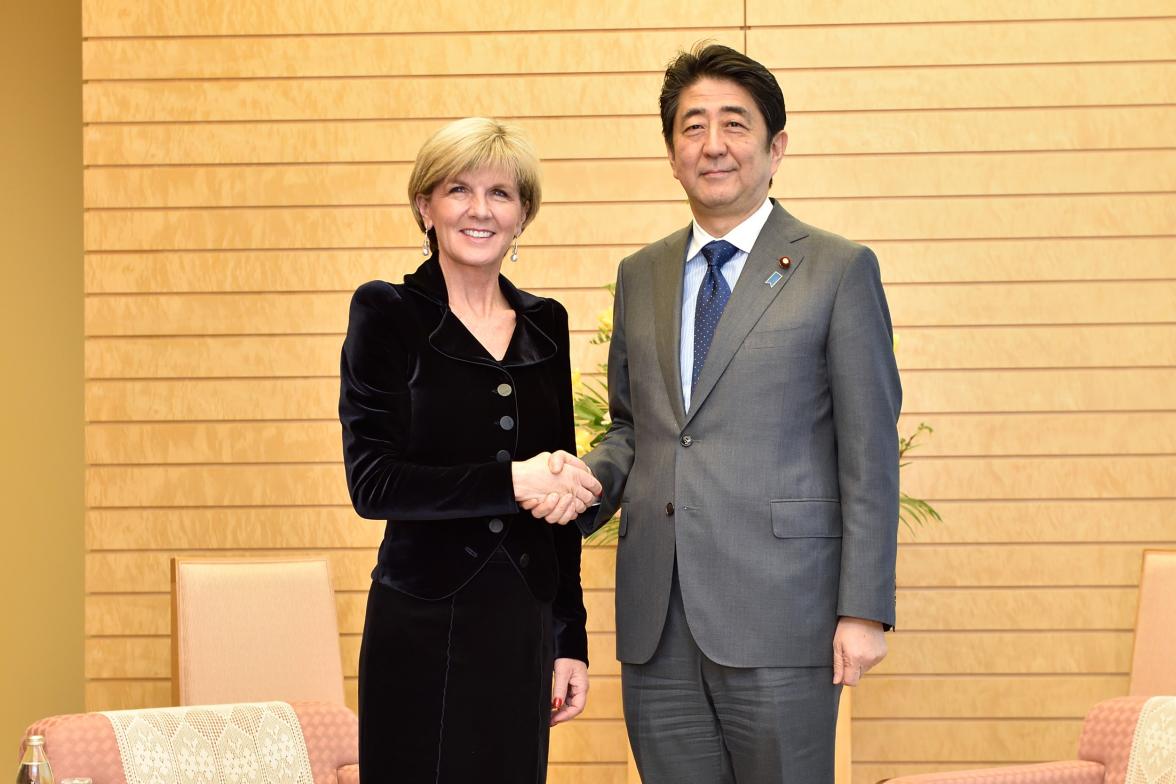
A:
[577,379]
[583,441]
[605,320]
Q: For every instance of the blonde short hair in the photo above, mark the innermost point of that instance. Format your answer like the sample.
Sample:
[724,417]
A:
[475,143]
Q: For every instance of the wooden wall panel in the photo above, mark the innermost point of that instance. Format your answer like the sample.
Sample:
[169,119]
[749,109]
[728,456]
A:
[1011,163]
[315,56]
[803,177]
[993,43]
[810,133]
[995,260]
[111,18]
[916,12]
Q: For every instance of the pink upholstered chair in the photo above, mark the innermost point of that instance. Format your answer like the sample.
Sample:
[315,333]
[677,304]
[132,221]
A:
[84,744]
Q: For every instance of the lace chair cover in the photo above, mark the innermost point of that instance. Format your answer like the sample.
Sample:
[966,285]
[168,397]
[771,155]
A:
[249,743]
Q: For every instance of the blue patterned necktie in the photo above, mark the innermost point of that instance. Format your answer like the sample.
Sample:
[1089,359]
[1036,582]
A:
[712,298]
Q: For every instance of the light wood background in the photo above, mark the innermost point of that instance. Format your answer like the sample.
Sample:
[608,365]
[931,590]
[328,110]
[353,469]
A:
[1012,163]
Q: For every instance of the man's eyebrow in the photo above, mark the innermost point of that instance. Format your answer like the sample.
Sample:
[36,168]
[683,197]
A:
[742,111]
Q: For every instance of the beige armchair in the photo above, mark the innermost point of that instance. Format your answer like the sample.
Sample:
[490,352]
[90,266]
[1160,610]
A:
[252,629]
[1153,664]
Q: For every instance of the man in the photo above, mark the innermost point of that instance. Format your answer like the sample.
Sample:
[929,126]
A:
[753,453]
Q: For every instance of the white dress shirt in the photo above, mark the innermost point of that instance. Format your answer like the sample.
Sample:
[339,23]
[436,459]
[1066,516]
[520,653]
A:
[742,237]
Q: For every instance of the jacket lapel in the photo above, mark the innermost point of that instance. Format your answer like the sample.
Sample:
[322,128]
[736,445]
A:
[529,345]
[751,297]
[667,315]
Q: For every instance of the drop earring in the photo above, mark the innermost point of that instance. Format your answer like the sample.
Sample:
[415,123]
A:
[425,248]
[514,251]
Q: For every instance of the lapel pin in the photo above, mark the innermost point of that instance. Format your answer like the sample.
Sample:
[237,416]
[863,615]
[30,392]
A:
[785,262]
[773,279]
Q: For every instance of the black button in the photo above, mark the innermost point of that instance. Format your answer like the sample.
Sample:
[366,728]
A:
[687,440]
[524,560]
[495,526]
[502,456]
[670,508]
[503,389]
[506,423]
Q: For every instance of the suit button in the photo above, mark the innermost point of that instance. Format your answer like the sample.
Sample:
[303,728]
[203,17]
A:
[687,440]
[504,390]
[506,423]
[495,526]
[524,560]
[670,509]
[502,456]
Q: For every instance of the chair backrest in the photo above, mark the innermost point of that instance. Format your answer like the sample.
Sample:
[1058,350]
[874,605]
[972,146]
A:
[248,630]
[84,744]
[1153,667]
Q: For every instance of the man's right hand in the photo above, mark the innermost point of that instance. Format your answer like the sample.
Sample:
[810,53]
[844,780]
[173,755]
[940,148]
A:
[555,487]
[557,508]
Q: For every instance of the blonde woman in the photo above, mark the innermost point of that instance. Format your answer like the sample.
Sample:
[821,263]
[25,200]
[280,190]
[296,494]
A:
[455,387]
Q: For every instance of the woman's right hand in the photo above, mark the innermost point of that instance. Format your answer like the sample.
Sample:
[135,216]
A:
[574,485]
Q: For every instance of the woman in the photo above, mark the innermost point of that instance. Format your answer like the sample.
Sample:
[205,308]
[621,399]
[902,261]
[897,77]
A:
[455,386]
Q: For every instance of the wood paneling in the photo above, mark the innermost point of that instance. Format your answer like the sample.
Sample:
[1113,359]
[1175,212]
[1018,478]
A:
[992,43]
[314,441]
[868,219]
[315,56]
[967,696]
[916,12]
[802,177]
[564,95]
[997,128]
[1090,259]
[924,392]
[981,741]
[106,18]
[1011,163]
[1102,303]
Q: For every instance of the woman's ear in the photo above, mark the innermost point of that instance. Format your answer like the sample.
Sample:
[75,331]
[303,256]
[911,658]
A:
[422,205]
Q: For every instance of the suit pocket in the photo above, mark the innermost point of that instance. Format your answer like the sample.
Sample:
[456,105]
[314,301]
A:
[792,519]
[771,338]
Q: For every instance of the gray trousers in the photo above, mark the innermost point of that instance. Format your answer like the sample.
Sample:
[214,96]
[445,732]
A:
[693,721]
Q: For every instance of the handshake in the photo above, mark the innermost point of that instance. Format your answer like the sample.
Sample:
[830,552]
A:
[554,486]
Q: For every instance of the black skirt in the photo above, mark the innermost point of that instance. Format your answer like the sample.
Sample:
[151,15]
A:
[459,689]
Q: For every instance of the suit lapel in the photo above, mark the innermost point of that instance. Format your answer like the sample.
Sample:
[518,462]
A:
[667,315]
[751,297]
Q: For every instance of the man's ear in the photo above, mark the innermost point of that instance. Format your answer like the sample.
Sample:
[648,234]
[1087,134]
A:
[776,149]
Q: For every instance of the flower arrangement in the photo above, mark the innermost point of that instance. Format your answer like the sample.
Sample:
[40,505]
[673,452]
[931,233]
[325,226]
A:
[590,405]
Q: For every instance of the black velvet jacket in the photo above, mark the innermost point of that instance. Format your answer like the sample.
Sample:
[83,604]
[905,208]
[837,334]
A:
[431,423]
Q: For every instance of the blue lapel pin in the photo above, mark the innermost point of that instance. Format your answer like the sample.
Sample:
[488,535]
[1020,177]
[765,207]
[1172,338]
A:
[773,279]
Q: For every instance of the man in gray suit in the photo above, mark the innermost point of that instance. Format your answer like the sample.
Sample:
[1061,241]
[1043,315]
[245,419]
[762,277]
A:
[753,453]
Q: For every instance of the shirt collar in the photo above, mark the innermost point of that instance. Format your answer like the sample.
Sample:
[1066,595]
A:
[742,236]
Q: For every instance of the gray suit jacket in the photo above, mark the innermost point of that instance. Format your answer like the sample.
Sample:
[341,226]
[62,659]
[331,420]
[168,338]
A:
[777,492]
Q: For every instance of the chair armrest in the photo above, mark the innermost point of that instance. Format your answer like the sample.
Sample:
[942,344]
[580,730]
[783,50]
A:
[1071,772]
[332,738]
[1108,731]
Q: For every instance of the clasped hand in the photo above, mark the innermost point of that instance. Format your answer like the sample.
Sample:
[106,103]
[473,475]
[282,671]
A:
[556,487]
